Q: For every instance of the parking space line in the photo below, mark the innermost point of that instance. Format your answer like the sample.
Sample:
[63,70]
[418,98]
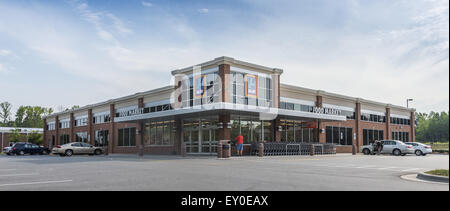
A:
[413,169]
[13,175]
[35,183]
[365,167]
[388,168]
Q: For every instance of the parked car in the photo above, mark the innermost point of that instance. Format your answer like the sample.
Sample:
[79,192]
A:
[23,148]
[76,148]
[420,149]
[6,149]
[393,147]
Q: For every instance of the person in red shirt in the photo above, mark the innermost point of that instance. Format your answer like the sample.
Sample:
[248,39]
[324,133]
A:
[240,144]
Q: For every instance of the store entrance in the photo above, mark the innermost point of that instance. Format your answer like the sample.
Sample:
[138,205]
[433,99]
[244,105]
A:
[200,135]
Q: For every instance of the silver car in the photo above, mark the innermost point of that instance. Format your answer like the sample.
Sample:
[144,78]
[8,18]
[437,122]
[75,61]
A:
[393,147]
[74,148]
[420,149]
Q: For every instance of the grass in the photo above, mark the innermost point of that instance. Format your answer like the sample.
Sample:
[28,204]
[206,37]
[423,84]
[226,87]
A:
[438,172]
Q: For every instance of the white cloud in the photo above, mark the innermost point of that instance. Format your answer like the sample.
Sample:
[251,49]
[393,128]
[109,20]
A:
[4,52]
[4,69]
[147,4]
[203,10]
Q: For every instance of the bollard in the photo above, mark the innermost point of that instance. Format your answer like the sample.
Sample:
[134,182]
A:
[183,149]
[353,149]
[312,150]
[220,150]
[261,150]
[141,150]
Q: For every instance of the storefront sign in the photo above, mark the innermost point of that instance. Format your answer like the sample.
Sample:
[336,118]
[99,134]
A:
[328,111]
[199,86]
[131,112]
[251,86]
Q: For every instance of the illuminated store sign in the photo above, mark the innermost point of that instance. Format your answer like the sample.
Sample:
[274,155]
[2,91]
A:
[131,112]
[251,84]
[199,86]
[328,111]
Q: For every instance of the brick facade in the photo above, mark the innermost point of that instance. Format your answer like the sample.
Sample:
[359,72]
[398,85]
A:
[224,67]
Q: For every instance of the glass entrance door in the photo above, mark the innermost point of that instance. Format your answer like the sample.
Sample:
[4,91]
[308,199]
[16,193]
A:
[200,135]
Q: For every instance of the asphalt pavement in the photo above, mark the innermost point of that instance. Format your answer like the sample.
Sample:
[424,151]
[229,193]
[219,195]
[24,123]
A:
[173,173]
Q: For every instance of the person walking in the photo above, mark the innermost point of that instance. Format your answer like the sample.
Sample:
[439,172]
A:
[379,147]
[239,144]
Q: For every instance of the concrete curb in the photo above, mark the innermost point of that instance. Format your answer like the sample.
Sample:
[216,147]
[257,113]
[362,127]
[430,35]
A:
[432,178]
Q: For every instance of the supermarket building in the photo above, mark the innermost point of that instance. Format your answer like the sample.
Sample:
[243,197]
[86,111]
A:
[219,99]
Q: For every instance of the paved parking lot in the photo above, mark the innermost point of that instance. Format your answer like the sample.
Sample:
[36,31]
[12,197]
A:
[294,173]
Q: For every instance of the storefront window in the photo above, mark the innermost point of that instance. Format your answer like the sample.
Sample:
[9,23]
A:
[81,137]
[127,137]
[101,138]
[251,89]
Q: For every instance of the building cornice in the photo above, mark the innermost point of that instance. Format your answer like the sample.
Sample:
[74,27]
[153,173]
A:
[229,61]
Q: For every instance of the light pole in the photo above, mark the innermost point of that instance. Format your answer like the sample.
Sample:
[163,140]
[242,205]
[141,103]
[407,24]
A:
[407,102]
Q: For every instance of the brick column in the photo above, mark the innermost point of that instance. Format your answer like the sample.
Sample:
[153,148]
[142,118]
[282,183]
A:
[72,125]
[141,127]
[388,123]
[90,128]
[112,130]
[321,136]
[141,102]
[57,130]
[224,74]
[413,127]
[359,139]
[277,134]
[178,136]
[225,132]
[44,134]
[276,91]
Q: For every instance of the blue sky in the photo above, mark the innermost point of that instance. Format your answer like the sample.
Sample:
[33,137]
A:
[78,52]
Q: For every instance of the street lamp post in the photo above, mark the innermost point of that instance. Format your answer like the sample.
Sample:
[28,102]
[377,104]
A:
[407,102]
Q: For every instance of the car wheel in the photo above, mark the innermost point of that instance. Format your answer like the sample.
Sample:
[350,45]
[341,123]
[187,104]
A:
[68,152]
[418,153]
[397,152]
[21,152]
[97,152]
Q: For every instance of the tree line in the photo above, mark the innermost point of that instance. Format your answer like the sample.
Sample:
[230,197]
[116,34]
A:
[26,116]
[432,127]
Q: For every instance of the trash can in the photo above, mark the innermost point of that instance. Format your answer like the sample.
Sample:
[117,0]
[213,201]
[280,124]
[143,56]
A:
[226,150]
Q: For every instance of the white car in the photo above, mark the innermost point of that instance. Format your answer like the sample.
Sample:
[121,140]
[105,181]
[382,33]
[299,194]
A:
[6,149]
[394,147]
[420,149]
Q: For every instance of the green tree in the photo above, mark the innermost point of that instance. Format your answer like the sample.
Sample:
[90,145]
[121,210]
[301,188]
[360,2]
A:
[35,138]
[31,116]
[432,127]
[5,113]
[16,136]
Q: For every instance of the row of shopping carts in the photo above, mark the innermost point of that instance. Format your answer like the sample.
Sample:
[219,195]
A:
[294,148]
